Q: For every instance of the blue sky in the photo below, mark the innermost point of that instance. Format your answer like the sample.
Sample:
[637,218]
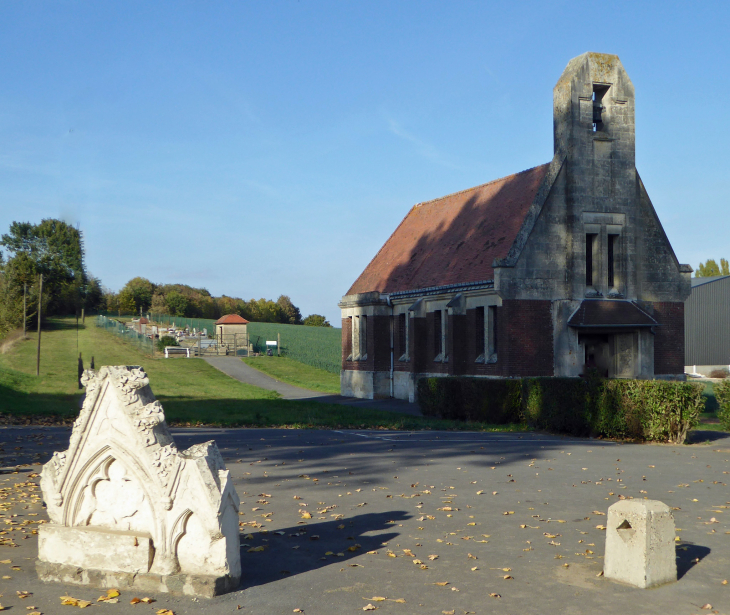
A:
[266,148]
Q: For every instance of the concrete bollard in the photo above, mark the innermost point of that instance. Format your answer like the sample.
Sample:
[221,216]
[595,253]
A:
[640,546]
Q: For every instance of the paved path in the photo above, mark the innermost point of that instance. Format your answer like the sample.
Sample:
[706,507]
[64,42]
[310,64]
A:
[378,500]
[235,368]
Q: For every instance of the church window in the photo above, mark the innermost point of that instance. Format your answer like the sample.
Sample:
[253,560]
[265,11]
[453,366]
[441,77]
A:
[612,249]
[492,332]
[590,261]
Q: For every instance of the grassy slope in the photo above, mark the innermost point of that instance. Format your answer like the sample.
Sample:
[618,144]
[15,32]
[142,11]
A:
[296,373]
[190,390]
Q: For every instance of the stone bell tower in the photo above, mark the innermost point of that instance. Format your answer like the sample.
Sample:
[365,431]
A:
[594,130]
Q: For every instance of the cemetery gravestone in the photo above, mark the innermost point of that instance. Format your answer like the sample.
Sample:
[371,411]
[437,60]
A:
[127,508]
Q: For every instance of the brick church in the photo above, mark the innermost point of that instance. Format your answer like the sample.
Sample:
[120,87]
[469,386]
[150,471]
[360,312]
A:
[547,272]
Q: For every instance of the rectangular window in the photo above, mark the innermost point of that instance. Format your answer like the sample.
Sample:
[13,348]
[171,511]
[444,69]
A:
[356,338]
[437,333]
[480,333]
[492,330]
[612,249]
[590,242]
[363,337]
[403,335]
[348,341]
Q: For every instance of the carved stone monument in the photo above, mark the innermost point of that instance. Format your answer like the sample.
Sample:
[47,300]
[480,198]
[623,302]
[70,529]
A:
[640,546]
[127,508]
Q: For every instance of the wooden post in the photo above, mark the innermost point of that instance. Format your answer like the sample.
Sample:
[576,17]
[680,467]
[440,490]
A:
[40,310]
[25,290]
[278,344]
[83,316]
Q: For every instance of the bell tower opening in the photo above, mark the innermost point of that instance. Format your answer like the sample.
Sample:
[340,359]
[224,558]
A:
[599,91]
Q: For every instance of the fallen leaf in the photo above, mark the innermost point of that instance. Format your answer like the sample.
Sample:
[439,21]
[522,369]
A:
[442,583]
[493,595]
[369,607]
[433,557]
[508,576]
[707,607]
[376,599]
[448,612]
[474,568]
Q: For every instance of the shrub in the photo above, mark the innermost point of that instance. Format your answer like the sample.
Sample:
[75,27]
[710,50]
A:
[719,373]
[166,340]
[722,393]
[471,399]
[637,409]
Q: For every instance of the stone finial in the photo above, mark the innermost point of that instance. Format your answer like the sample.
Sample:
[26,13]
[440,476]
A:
[640,546]
[127,508]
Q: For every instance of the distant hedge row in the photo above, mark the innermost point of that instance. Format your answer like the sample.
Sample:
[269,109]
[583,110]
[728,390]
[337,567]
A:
[653,410]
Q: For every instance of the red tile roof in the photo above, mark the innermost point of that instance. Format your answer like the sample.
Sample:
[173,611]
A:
[231,319]
[143,321]
[453,239]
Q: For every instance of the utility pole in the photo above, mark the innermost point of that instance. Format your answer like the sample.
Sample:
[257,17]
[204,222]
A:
[25,291]
[40,310]
[278,344]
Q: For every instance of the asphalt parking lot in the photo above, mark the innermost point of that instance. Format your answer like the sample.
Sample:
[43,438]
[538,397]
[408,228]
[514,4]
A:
[433,522]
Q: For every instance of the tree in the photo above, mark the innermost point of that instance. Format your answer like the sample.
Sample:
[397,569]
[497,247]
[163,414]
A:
[140,292]
[316,320]
[177,303]
[710,268]
[52,248]
[290,312]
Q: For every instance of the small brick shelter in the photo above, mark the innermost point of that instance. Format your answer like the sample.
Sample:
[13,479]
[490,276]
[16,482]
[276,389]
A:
[547,272]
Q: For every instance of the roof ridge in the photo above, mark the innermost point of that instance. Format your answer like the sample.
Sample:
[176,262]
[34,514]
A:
[494,181]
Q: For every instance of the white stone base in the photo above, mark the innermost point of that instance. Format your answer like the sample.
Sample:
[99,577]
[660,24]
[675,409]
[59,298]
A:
[99,548]
[179,584]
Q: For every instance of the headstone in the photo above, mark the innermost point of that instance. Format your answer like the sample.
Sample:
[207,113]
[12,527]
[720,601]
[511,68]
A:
[640,546]
[127,508]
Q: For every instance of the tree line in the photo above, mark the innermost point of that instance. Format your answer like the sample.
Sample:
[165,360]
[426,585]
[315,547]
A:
[139,295]
[55,249]
[710,268]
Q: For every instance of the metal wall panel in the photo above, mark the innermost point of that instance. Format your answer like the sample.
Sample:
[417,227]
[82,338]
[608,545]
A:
[707,324]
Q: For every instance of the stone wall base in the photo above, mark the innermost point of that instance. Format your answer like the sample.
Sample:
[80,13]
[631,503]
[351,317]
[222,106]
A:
[180,584]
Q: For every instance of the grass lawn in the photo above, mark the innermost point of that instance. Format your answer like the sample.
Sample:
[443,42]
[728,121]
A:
[296,373]
[191,391]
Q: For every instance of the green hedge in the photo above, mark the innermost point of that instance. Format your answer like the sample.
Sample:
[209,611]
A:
[652,410]
[722,394]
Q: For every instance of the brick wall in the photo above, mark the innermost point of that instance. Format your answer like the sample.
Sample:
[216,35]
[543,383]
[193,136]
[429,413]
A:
[529,338]
[470,347]
[669,338]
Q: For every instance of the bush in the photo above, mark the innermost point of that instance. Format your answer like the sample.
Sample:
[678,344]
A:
[636,409]
[722,393]
[719,373]
[471,399]
[166,340]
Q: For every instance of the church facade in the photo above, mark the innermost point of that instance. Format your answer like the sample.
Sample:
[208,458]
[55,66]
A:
[548,272]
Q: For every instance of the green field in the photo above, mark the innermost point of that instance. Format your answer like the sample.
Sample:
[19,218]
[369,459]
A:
[191,391]
[292,372]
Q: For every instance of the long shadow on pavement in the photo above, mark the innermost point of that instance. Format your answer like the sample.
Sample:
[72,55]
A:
[302,548]
[688,556]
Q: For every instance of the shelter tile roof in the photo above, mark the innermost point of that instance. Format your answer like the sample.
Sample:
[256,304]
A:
[231,319]
[610,313]
[453,239]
